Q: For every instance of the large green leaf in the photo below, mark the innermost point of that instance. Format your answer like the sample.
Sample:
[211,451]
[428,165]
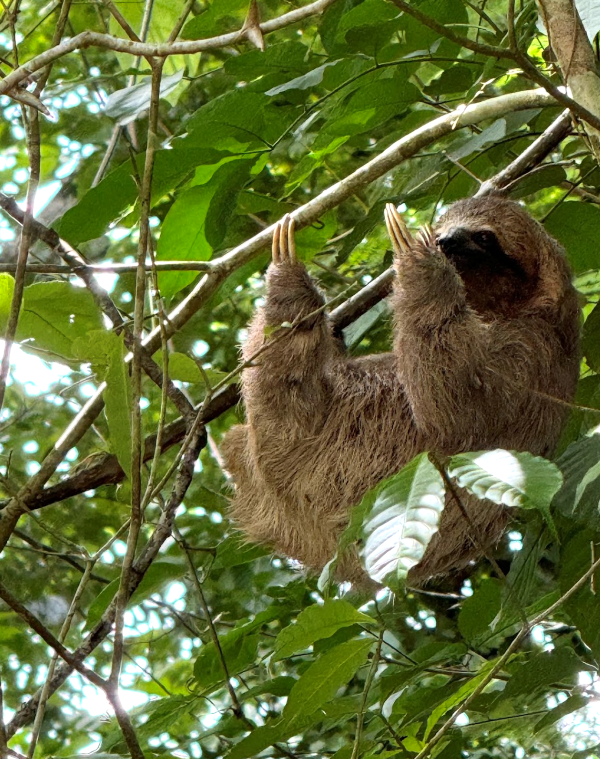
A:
[325,677]
[238,121]
[577,226]
[198,220]
[117,193]
[509,478]
[106,352]
[160,574]
[239,651]
[316,622]
[579,497]
[216,17]
[403,515]
[378,98]
[53,315]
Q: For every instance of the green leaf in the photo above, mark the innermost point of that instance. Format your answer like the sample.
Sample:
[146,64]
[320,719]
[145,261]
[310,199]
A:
[316,622]
[568,706]
[106,352]
[182,368]
[479,611]
[509,478]
[456,698]
[117,193]
[489,135]
[325,677]
[233,552]
[198,220]
[273,732]
[576,225]
[590,343]
[304,82]
[579,497]
[582,607]
[217,18]
[377,99]
[283,61]
[53,315]
[239,649]
[158,576]
[125,105]
[544,669]
[7,286]
[238,121]
[355,332]
[403,517]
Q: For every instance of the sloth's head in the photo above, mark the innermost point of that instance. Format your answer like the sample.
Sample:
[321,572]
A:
[509,264]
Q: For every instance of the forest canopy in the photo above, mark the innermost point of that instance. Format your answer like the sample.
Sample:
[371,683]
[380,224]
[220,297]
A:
[147,150]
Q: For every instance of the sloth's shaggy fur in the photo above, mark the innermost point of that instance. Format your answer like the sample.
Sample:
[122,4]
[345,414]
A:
[485,336]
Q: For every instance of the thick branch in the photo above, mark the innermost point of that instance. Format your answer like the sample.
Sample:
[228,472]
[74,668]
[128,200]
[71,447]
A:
[394,155]
[576,57]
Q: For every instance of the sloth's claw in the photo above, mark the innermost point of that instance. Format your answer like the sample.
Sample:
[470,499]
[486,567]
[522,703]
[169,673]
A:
[401,238]
[284,243]
[426,236]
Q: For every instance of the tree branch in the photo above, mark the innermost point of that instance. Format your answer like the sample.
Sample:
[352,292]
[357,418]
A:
[575,54]
[149,49]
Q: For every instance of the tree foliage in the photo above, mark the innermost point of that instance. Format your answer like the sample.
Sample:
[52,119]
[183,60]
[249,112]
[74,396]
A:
[154,170]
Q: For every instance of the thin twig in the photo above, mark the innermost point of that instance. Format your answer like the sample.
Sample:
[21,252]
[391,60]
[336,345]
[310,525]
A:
[363,704]
[136,376]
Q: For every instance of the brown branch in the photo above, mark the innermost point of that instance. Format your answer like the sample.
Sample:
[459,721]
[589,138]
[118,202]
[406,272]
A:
[148,49]
[531,157]
[581,109]
[45,634]
[114,268]
[137,442]
[33,149]
[579,67]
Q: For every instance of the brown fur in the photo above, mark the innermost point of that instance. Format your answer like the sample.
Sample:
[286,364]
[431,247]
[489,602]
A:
[472,353]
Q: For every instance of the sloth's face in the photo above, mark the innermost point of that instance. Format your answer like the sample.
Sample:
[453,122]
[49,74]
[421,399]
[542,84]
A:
[498,267]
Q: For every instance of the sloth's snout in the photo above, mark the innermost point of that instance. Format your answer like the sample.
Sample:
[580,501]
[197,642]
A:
[454,240]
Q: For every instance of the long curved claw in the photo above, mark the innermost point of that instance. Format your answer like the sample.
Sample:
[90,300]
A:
[426,236]
[275,247]
[284,243]
[401,238]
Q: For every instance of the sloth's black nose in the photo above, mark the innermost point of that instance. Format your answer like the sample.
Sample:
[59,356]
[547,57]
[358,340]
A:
[454,240]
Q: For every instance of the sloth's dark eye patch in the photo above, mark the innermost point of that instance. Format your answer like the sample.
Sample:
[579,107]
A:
[485,238]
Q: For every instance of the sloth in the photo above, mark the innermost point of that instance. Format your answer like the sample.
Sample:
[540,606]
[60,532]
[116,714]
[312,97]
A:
[485,356]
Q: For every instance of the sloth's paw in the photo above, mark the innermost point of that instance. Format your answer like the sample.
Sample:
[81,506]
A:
[420,247]
[284,243]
